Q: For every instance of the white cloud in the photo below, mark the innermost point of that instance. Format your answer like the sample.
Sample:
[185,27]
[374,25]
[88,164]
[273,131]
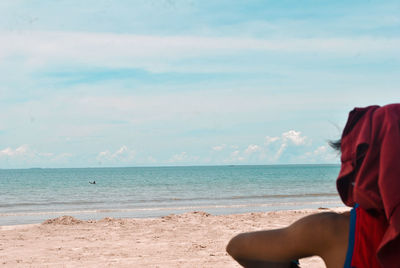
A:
[155,52]
[293,136]
[252,149]
[25,155]
[269,140]
[273,149]
[234,157]
[22,150]
[320,150]
[123,154]
[104,154]
[219,147]
[280,151]
[183,157]
[179,157]
[321,154]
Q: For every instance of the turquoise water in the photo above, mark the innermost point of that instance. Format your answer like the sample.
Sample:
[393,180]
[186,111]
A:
[33,195]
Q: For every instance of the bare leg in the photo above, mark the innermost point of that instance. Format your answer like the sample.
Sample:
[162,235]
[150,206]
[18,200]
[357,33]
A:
[323,234]
[265,264]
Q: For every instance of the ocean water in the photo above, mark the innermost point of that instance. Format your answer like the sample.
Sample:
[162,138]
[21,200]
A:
[34,195]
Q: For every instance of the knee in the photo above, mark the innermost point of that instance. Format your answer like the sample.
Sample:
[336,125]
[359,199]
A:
[234,246]
[334,224]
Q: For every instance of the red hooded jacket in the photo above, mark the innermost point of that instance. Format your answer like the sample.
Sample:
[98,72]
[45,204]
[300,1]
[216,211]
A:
[370,171]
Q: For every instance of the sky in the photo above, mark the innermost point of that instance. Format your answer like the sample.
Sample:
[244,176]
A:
[102,83]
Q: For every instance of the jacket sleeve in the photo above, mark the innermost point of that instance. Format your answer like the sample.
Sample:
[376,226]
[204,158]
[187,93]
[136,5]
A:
[389,187]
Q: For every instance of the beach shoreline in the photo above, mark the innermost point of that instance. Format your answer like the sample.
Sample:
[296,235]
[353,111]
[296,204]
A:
[194,239]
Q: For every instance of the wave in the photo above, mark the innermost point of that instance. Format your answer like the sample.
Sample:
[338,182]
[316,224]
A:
[156,200]
[141,201]
[285,195]
[94,211]
[77,202]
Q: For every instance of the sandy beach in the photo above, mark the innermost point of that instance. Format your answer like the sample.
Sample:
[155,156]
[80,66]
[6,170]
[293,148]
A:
[195,239]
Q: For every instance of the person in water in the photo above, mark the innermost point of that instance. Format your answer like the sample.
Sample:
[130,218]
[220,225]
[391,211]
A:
[94,182]
[369,182]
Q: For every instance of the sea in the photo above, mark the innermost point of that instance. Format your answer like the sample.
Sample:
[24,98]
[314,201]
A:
[34,195]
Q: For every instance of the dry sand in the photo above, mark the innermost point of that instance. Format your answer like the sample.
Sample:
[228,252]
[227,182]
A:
[194,239]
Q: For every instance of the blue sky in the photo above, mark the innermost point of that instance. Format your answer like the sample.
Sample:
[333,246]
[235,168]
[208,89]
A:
[138,83]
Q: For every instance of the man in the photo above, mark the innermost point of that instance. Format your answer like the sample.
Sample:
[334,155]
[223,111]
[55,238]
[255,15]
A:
[369,181]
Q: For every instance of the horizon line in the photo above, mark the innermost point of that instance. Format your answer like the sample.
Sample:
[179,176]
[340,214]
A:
[165,166]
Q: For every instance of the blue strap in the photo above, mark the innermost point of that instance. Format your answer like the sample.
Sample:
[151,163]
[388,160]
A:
[294,263]
[350,248]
